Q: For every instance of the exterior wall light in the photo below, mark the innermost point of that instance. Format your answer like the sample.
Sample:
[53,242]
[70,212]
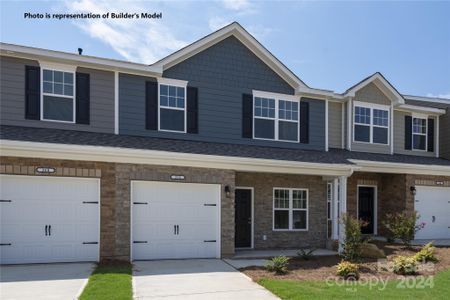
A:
[413,190]
[227,191]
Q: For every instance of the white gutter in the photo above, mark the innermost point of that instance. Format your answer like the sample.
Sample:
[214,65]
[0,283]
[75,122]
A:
[427,99]
[399,168]
[166,158]
[422,109]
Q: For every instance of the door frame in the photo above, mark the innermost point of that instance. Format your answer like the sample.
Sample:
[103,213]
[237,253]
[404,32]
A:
[252,189]
[375,204]
[219,213]
[69,178]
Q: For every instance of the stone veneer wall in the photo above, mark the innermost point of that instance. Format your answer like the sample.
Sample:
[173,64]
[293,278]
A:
[115,195]
[263,184]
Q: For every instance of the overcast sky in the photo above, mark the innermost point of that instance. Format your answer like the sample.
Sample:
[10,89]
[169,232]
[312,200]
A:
[329,45]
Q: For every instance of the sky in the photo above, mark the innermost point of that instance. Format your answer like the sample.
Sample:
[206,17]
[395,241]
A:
[328,44]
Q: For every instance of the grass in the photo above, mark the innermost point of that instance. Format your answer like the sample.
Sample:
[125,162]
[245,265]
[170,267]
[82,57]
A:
[289,289]
[109,282]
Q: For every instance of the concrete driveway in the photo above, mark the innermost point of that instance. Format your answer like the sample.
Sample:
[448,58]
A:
[193,279]
[43,281]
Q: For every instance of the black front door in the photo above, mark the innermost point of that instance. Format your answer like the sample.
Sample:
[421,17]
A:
[366,208]
[243,218]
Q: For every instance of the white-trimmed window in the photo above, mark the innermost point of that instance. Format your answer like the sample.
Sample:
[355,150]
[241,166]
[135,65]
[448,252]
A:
[172,105]
[419,133]
[290,209]
[371,124]
[58,95]
[275,117]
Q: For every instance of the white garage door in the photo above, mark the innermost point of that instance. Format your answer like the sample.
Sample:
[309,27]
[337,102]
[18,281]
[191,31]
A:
[175,220]
[433,206]
[48,219]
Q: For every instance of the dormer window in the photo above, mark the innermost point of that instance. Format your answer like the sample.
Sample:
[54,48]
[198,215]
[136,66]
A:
[371,123]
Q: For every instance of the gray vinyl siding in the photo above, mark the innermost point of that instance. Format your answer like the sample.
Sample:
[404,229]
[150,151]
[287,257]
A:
[334,125]
[370,94]
[12,98]
[444,124]
[222,73]
[399,136]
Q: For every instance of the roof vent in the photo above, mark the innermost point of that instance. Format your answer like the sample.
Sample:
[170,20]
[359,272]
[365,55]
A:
[80,51]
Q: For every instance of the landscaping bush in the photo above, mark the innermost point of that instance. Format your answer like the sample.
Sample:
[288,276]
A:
[278,264]
[404,265]
[348,270]
[353,238]
[403,226]
[426,254]
[306,254]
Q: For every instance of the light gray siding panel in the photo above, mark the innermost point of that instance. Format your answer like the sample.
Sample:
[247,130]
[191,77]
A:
[335,125]
[222,73]
[372,94]
[399,136]
[12,98]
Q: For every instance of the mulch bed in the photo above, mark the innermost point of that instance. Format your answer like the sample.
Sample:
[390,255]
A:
[322,267]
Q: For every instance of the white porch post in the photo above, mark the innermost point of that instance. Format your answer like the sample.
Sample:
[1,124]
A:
[342,208]
[335,216]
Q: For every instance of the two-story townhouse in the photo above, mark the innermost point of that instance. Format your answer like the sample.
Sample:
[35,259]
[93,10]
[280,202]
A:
[217,147]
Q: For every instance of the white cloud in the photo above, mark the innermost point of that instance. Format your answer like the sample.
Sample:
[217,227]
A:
[445,96]
[138,40]
[236,4]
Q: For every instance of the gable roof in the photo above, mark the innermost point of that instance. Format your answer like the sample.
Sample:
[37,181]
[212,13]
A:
[236,30]
[381,82]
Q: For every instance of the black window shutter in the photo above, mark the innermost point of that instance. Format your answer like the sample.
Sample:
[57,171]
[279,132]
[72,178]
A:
[247,116]
[83,95]
[408,132]
[304,122]
[32,93]
[192,110]
[151,105]
[430,134]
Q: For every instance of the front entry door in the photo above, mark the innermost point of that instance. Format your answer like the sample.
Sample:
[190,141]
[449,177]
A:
[366,208]
[243,218]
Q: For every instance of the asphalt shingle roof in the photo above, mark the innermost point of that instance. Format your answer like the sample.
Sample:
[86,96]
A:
[334,156]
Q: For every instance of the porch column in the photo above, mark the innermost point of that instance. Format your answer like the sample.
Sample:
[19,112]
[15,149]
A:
[334,206]
[342,208]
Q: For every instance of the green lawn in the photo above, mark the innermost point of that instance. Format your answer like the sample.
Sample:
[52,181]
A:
[109,282]
[286,289]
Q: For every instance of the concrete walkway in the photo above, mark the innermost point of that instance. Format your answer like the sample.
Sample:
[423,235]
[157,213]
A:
[43,281]
[193,279]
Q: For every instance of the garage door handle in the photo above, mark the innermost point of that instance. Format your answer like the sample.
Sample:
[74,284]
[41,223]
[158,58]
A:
[5,244]
[49,229]
[46,228]
[140,203]
[139,242]
[433,219]
[90,243]
[90,202]
[5,200]
[209,241]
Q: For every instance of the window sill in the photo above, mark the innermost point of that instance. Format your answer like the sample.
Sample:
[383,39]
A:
[58,121]
[273,140]
[289,230]
[369,143]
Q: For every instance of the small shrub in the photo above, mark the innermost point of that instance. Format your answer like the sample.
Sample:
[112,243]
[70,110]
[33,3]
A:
[306,254]
[426,254]
[403,226]
[353,238]
[348,270]
[404,265]
[278,264]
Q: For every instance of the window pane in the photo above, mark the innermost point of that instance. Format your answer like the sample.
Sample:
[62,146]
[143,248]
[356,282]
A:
[264,107]
[419,125]
[258,112]
[172,119]
[48,75]
[362,115]
[180,92]
[271,112]
[163,90]
[58,76]
[58,88]
[272,103]
[68,78]
[56,108]
[257,102]
[172,91]
[288,131]
[419,142]
[164,101]
[362,133]
[48,87]
[281,199]
[180,102]
[172,101]
[264,129]
[299,219]
[380,135]
[68,90]
[281,219]
[299,199]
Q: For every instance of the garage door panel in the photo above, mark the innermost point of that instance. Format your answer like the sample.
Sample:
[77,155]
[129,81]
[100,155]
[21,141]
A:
[37,202]
[433,207]
[170,204]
